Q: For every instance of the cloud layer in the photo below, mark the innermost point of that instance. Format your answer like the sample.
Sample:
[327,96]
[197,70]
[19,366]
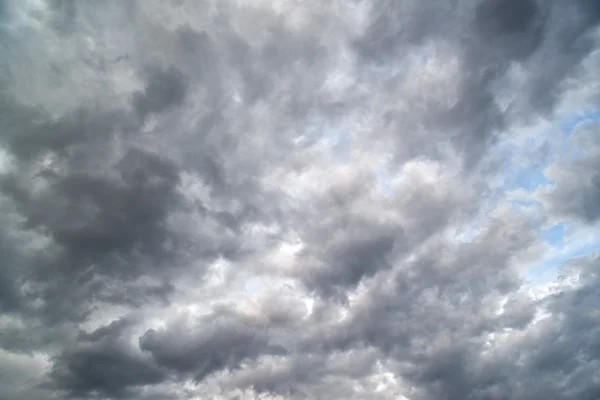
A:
[299,200]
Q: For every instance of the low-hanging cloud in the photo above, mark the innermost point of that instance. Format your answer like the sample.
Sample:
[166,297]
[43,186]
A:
[299,200]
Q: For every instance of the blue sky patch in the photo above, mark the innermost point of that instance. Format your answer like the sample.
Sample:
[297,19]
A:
[554,235]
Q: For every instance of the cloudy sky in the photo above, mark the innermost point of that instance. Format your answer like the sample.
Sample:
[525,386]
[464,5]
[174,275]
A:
[300,199]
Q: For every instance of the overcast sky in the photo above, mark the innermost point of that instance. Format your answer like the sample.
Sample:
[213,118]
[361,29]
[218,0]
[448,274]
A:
[300,199]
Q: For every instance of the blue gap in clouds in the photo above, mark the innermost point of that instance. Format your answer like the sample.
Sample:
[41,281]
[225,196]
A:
[570,122]
[529,179]
[549,268]
[554,235]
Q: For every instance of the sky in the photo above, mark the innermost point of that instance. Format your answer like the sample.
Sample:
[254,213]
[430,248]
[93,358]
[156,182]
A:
[285,199]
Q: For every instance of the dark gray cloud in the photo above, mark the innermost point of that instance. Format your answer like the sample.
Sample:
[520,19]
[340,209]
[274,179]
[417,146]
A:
[101,203]
[585,203]
[298,199]
[103,363]
[165,88]
[97,224]
[516,26]
[222,340]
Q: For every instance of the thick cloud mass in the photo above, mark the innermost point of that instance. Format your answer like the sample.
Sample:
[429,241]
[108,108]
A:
[300,200]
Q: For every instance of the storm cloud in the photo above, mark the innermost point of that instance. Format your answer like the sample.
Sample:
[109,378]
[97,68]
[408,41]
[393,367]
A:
[299,200]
